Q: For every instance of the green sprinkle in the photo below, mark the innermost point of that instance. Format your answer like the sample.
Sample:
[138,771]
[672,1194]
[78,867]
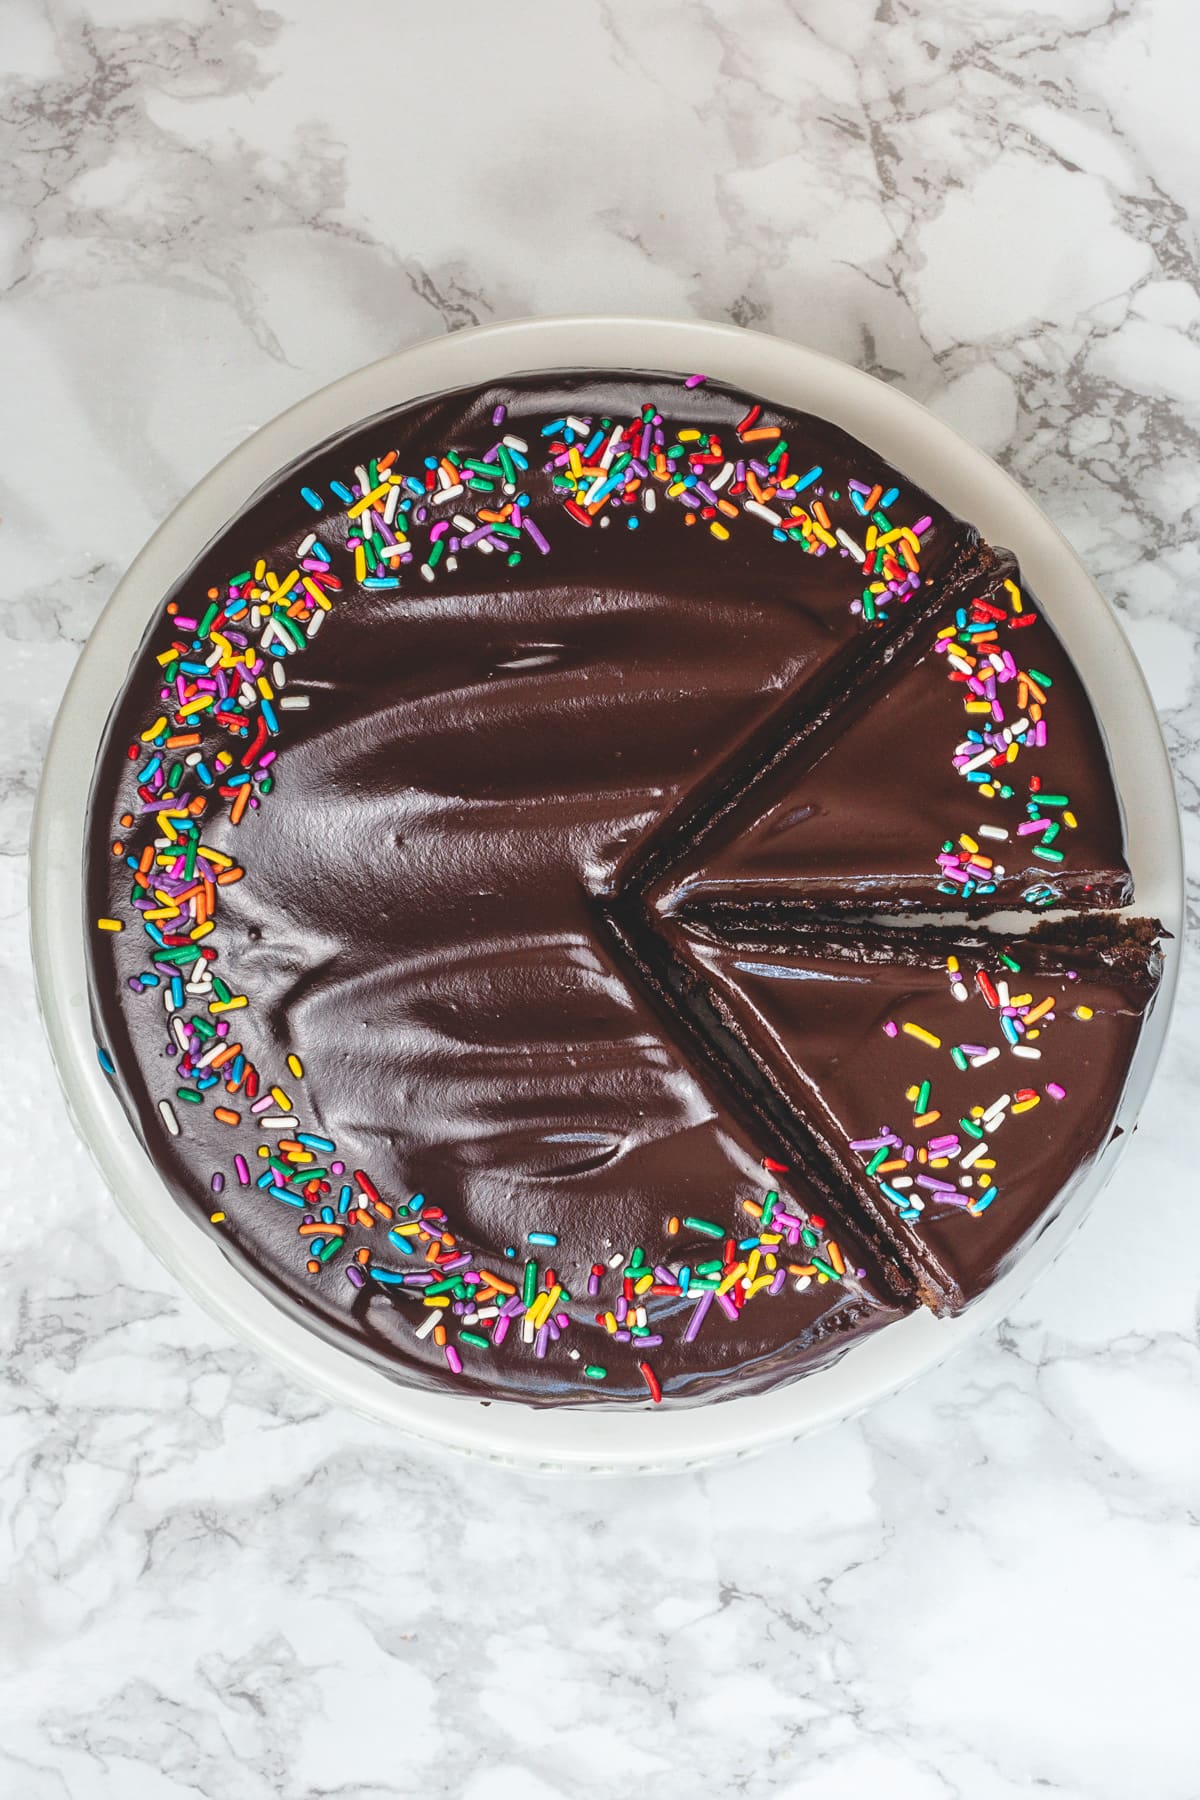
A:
[971,1129]
[529,1288]
[705,1227]
[1055,856]
[1010,962]
[331,1249]
[594,1372]
[769,1205]
[958,1057]
[190,1095]
[923,1097]
[1042,680]
[1052,800]
[474,1337]
[825,1268]
[809,1237]
[879,1158]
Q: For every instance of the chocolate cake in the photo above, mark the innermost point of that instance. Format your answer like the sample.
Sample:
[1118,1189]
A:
[486,873]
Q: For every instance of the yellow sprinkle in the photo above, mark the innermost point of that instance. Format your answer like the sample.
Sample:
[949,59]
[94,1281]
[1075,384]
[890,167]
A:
[732,1275]
[200,704]
[296,1066]
[718,530]
[231,1005]
[952,964]
[923,1036]
[1024,1105]
[110,924]
[1070,821]
[911,1093]
[437,1299]
[1015,595]
[218,1218]
[1084,1012]
[610,1321]
[152,731]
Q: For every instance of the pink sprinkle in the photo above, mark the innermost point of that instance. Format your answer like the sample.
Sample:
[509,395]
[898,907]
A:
[1055,1092]
[454,1359]
[695,380]
[243,1172]
[891,1027]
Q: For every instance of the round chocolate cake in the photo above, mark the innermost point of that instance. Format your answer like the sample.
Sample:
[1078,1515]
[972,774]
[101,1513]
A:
[510,870]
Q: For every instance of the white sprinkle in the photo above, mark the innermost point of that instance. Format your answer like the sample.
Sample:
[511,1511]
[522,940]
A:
[294,703]
[306,544]
[463,523]
[278,674]
[426,571]
[959,991]
[279,1122]
[213,1051]
[582,427]
[994,831]
[428,1322]
[314,625]
[516,443]
[168,1117]
[390,504]
[614,1262]
[802,1282]
[718,481]
[761,512]
[856,550]
[179,1032]
[446,493]
[648,499]
[988,1056]
[1026,1050]
[574,1355]
[973,1156]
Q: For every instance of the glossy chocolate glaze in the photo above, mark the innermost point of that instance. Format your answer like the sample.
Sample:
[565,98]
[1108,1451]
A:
[480,757]
[854,815]
[820,1019]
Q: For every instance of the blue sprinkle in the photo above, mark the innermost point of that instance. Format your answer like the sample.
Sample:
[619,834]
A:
[389,1277]
[312,1142]
[344,1198]
[342,491]
[278,1193]
[401,1243]
[814,474]
[541,1237]
[312,497]
[105,1061]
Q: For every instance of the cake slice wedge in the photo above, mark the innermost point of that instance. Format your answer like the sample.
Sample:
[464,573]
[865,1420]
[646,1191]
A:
[968,774]
[956,1083]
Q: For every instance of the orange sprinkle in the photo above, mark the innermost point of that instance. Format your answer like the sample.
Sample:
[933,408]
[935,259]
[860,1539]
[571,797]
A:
[227,1115]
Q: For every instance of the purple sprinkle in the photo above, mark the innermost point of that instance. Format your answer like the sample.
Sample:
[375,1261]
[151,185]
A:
[727,1305]
[500,1330]
[499,415]
[698,1315]
[218,1181]
[355,1277]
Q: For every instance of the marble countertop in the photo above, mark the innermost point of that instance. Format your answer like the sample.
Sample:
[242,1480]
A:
[215,1585]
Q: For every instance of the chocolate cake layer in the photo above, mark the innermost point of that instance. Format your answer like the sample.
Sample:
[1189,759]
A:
[958,1082]
[969,773]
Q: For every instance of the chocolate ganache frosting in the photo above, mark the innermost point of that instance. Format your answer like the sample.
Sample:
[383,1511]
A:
[461,868]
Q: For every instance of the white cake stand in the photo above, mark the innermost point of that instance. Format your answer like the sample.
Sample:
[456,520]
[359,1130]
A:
[584,1440]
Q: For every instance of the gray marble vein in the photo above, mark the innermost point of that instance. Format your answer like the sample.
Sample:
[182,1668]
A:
[214,1584]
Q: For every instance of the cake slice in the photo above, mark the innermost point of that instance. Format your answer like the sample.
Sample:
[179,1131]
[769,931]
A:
[967,774]
[956,1083]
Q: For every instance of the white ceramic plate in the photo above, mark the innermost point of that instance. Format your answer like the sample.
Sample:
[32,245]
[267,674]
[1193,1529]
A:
[963,479]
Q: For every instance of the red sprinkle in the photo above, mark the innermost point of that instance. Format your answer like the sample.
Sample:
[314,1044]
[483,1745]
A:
[651,1381]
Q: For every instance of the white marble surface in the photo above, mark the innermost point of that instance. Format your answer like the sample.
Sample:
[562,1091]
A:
[214,1586]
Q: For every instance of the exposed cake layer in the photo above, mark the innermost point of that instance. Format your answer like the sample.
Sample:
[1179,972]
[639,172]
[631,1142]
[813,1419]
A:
[431,692]
[968,773]
[956,1083]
